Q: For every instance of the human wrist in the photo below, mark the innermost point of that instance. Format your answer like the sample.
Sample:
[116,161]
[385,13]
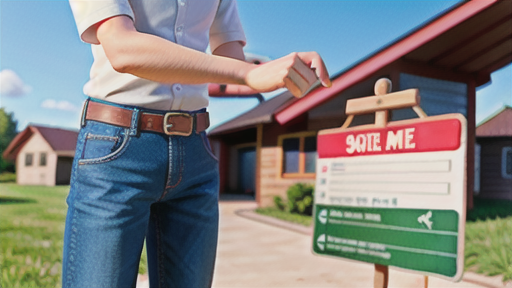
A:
[242,71]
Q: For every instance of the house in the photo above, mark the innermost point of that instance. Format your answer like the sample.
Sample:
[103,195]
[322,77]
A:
[493,176]
[273,145]
[42,155]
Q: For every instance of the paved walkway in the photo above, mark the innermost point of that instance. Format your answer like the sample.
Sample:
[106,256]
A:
[254,254]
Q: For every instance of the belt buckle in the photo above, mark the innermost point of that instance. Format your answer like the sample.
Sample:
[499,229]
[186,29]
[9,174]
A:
[168,126]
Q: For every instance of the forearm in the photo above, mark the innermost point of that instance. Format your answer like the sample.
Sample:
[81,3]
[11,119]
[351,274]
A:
[154,58]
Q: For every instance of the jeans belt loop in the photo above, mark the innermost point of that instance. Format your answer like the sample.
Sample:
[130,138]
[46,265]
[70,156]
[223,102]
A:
[84,110]
[194,123]
[134,128]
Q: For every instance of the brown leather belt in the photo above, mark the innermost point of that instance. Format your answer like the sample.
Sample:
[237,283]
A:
[171,123]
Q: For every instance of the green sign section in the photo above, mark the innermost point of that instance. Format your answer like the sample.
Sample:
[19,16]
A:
[416,239]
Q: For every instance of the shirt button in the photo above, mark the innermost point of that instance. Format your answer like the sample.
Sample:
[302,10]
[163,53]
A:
[177,87]
[179,28]
[182,2]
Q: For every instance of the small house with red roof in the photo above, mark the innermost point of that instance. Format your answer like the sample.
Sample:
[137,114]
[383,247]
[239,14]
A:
[42,155]
[493,176]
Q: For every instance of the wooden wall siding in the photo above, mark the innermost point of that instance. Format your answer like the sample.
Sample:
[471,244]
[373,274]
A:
[492,184]
[35,174]
[273,130]
[270,181]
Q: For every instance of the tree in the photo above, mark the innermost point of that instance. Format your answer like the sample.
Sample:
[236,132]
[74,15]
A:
[7,132]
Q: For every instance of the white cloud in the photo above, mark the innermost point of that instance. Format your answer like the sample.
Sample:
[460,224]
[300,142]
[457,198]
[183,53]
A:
[59,105]
[12,85]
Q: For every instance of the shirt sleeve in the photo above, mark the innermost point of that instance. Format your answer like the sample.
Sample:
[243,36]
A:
[226,26]
[88,13]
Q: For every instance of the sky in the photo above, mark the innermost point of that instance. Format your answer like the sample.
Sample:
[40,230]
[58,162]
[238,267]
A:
[44,65]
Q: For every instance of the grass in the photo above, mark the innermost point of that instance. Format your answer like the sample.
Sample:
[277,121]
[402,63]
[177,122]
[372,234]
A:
[286,216]
[489,238]
[31,238]
[31,235]
[489,247]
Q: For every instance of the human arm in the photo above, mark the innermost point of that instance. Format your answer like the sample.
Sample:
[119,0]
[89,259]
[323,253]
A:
[154,58]
[233,49]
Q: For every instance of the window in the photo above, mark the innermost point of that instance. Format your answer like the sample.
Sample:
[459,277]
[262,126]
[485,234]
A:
[506,162]
[28,159]
[299,154]
[42,159]
[291,151]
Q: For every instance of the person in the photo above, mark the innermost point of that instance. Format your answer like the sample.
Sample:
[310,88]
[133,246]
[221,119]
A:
[143,167]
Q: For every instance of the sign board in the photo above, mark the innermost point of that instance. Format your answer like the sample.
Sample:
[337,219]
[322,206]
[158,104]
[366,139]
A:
[394,195]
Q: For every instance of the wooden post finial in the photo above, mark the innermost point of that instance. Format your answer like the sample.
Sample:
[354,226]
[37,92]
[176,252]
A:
[382,86]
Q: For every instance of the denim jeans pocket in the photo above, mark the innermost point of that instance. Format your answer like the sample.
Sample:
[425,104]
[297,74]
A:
[103,148]
[208,146]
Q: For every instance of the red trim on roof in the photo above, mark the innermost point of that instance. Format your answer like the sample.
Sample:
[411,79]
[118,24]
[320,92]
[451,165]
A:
[383,58]
[59,140]
[17,143]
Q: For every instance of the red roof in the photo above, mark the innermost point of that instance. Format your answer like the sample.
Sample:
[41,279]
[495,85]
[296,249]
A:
[497,125]
[473,38]
[59,139]
[263,113]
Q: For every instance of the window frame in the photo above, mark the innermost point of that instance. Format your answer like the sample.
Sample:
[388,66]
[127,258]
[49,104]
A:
[504,151]
[302,156]
[27,162]
[41,154]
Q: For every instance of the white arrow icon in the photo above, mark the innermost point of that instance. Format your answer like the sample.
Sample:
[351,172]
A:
[426,219]
[321,242]
[322,216]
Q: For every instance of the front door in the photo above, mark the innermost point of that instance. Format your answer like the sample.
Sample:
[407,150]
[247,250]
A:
[247,170]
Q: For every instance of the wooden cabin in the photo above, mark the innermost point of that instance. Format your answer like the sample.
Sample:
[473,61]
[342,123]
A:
[42,155]
[270,147]
[493,153]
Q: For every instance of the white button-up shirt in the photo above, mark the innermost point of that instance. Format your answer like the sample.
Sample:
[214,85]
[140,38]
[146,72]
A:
[191,23]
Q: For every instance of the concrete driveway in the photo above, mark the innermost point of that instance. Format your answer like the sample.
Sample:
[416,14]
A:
[255,254]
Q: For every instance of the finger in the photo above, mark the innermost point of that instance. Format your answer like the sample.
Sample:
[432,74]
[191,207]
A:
[292,87]
[313,60]
[321,72]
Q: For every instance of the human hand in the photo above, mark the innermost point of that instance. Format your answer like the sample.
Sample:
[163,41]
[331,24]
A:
[297,71]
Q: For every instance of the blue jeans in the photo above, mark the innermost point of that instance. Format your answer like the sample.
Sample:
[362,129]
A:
[127,186]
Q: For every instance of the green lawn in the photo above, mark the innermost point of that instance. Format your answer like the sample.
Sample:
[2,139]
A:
[283,215]
[31,232]
[31,235]
[489,247]
[489,238]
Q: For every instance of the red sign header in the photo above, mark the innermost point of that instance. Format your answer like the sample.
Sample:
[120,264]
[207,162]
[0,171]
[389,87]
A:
[426,136]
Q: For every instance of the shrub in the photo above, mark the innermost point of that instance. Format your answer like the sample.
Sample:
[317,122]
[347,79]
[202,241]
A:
[278,201]
[300,198]
[7,177]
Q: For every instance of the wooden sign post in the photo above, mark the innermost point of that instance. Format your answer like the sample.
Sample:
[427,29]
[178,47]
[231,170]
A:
[393,193]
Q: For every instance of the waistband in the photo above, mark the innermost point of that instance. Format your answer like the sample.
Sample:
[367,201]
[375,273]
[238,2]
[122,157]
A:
[181,123]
